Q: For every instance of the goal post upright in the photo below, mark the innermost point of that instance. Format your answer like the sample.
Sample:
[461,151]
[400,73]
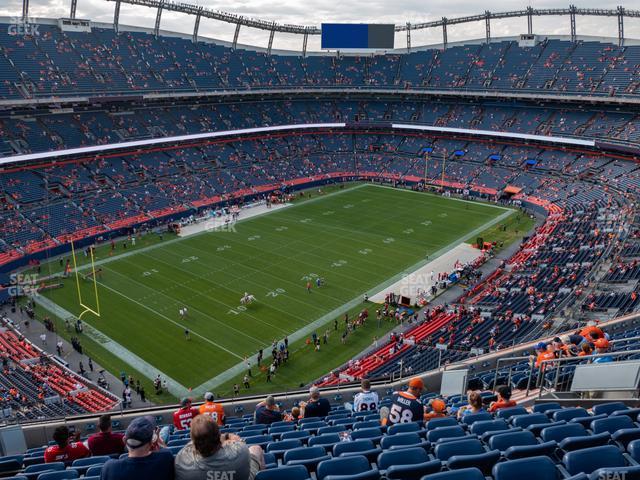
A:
[86,308]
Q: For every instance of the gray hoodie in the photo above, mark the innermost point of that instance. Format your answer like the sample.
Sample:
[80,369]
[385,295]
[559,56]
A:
[233,462]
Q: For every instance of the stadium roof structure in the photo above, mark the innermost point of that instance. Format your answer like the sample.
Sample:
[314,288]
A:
[305,30]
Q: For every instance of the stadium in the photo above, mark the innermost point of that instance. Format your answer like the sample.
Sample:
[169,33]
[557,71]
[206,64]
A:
[352,255]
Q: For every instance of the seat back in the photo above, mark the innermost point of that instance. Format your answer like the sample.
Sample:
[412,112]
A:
[524,421]
[611,424]
[445,432]
[532,468]
[366,433]
[462,474]
[403,428]
[294,472]
[483,426]
[470,418]
[567,414]
[608,408]
[560,432]
[441,422]
[543,407]
[503,441]
[343,466]
[446,450]
[409,438]
[303,453]
[590,459]
[405,456]
[60,475]
[326,439]
[283,445]
[354,446]
[510,412]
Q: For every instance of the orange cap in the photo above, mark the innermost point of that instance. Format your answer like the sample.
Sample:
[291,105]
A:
[416,382]
[602,343]
[438,405]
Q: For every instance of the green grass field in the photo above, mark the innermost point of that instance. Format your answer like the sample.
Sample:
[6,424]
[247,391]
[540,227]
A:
[356,239]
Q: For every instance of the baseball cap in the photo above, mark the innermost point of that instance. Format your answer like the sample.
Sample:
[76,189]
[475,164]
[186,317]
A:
[438,405]
[416,382]
[541,346]
[602,343]
[209,397]
[185,401]
[140,432]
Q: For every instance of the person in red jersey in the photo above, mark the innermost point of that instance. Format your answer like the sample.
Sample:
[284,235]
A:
[504,399]
[106,442]
[64,450]
[182,418]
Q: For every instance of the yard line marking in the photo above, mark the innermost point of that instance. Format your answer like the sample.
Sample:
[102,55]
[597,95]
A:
[316,324]
[177,324]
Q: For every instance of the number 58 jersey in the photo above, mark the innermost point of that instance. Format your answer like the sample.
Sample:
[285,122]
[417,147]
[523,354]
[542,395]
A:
[405,408]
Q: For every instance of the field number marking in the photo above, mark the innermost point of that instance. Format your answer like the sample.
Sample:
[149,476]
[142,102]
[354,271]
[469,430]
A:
[223,248]
[190,259]
[408,231]
[388,240]
[365,251]
[150,272]
[254,237]
[328,212]
[309,277]
[306,220]
[276,292]
[281,228]
[339,263]
[426,223]
[348,205]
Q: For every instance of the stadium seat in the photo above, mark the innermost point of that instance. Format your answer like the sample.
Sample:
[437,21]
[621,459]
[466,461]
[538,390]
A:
[94,471]
[373,434]
[503,441]
[483,461]
[295,472]
[608,408]
[302,435]
[524,421]
[462,474]
[533,468]
[543,407]
[261,440]
[307,456]
[83,464]
[363,447]
[590,459]
[507,413]
[326,441]
[440,422]
[471,446]
[470,418]
[355,467]
[403,428]
[403,440]
[278,448]
[611,424]
[482,426]
[60,475]
[445,432]
[408,463]
[567,414]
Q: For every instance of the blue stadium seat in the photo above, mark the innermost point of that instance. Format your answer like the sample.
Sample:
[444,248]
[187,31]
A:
[296,472]
[462,474]
[567,414]
[261,440]
[326,441]
[534,468]
[94,470]
[608,408]
[524,421]
[503,441]
[302,435]
[543,407]
[507,413]
[373,434]
[470,446]
[404,428]
[440,422]
[355,467]
[590,459]
[403,440]
[470,418]
[278,448]
[483,426]
[611,424]
[445,432]
[634,450]
[482,461]
[310,457]
[60,475]
[83,464]
[408,463]
[363,447]
[366,424]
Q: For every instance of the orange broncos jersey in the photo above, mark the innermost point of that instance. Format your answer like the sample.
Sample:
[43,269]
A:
[214,410]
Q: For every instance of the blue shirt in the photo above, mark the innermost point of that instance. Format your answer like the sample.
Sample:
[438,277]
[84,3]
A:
[158,466]
[606,359]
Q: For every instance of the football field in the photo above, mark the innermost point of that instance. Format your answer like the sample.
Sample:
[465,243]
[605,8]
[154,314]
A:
[357,239]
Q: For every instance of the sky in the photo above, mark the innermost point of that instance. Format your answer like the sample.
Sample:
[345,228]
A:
[315,12]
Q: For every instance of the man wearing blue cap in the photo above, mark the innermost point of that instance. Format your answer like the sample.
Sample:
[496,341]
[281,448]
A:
[147,456]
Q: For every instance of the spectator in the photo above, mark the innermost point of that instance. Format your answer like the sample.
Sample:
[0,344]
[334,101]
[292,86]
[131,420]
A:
[267,412]
[64,450]
[147,456]
[504,399]
[405,406]
[602,346]
[316,406]
[182,418]
[106,442]
[294,416]
[209,454]
[438,409]
[475,404]
[214,410]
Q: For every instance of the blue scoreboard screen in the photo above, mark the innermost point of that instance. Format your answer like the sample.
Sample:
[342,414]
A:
[342,36]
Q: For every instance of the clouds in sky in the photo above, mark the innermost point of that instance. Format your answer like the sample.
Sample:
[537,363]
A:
[315,12]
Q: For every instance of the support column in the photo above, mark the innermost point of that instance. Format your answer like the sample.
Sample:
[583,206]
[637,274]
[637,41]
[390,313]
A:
[305,39]
[235,36]
[408,37]
[25,10]
[620,26]
[487,25]
[572,16]
[530,20]
[116,16]
[444,33]
[196,26]
[271,35]
[74,5]
[156,29]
